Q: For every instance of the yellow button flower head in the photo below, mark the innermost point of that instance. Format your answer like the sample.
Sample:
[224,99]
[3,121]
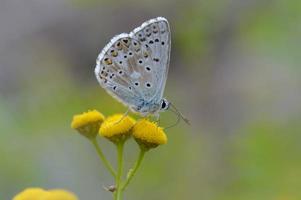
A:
[88,123]
[148,134]
[41,194]
[117,127]
[59,194]
[31,194]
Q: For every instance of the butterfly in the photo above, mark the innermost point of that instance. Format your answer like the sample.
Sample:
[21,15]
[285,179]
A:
[133,67]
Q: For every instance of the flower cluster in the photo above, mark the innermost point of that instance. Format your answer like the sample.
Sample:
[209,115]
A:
[116,128]
[119,127]
[41,194]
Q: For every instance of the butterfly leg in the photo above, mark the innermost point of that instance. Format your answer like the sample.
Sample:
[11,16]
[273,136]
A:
[124,115]
[151,117]
[158,121]
[157,118]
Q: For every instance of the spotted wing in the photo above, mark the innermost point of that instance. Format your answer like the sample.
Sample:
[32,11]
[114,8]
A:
[118,69]
[154,36]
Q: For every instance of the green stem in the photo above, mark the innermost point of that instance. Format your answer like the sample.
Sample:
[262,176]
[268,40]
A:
[134,169]
[118,192]
[103,158]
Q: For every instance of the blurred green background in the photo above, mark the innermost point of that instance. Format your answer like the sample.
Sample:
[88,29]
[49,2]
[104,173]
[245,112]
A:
[235,73]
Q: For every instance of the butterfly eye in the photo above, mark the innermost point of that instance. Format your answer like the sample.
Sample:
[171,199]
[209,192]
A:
[164,105]
[140,61]
[147,68]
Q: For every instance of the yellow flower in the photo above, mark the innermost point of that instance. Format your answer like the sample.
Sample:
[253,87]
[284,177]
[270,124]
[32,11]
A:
[148,134]
[41,194]
[117,127]
[31,194]
[59,194]
[88,123]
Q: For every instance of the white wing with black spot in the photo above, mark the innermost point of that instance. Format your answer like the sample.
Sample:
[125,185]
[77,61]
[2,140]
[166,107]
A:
[133,67]
[155,36]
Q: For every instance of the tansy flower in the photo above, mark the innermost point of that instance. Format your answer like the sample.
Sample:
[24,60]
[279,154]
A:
[117,127]
[31,194]
[59,194]
[148,134]
[41,194]
[88,123]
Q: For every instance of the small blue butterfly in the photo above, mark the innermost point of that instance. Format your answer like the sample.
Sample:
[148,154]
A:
[133,67]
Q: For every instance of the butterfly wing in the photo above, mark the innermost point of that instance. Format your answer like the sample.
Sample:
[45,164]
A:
[133,67]
[155,36]
[112,70]
[120,70]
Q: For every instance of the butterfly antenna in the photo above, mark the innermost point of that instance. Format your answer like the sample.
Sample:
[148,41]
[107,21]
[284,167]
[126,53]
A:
[180,115]
[177,122]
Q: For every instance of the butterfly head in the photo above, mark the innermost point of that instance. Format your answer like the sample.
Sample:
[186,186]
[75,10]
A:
[164,105]
[145,108]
